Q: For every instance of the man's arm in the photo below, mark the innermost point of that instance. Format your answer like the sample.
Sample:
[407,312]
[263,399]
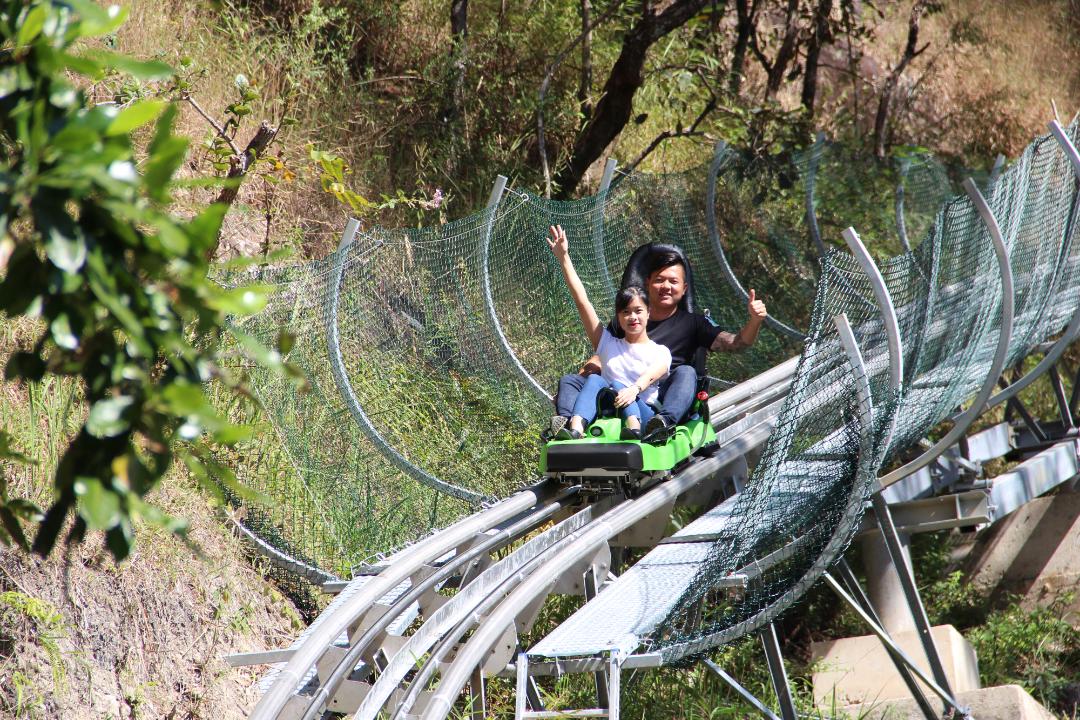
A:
[729,342]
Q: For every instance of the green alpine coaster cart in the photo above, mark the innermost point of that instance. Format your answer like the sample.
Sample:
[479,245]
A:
[601,461]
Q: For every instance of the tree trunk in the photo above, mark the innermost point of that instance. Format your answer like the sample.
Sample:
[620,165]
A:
[586,61]
[820,36]
[881,120]
[745,26]
[613,110]
[459,27]
[789,47]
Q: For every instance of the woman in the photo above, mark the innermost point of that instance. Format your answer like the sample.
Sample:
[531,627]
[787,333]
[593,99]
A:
[630,363]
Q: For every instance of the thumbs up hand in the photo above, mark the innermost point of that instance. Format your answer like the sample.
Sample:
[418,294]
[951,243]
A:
[756,308]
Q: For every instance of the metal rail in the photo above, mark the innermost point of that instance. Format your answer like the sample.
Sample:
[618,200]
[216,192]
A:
[423,552]
[589,541]
[714,235]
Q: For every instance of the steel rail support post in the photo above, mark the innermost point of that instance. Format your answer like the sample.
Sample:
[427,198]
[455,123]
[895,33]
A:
[1062,402]
[911,590]
[978,406]
[775,660]
[1016,406]
[613,683]
[719,156]
[489,301]
[856,591]
[888,641]
[1074,397]
[477,696]
[743,692]
[598,225]
[602,695]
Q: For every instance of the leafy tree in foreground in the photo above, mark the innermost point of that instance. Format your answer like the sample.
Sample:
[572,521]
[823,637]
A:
[119,284]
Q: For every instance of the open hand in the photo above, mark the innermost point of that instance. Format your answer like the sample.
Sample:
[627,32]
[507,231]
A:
[626,396]
[557,242]
[756,307]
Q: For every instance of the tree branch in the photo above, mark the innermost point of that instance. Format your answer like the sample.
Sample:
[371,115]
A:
[217,128]
[667,134]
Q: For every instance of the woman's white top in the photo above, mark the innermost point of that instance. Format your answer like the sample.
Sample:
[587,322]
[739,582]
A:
[624,362]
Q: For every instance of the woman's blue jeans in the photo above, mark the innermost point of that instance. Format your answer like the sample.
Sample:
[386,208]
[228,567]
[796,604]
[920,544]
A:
[585,405]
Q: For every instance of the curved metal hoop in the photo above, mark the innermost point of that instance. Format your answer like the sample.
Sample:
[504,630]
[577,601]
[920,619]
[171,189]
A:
[341,379]
[1072,331]
[598,225]
[901,224]
[714,236]
[811,200]
[489,302]
[885,305]
[1004,336]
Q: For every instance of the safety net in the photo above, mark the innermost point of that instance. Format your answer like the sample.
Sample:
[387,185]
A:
[431,353]
[806,495]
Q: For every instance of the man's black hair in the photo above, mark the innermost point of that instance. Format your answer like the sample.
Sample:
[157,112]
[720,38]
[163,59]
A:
[664,259]
[651,257]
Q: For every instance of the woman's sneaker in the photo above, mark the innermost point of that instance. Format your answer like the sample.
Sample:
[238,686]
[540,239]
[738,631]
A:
[555,426]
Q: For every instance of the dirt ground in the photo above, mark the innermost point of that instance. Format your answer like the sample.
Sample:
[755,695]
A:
[81,637]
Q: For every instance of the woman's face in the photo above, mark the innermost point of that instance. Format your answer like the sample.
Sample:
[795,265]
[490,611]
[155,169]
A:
[633,317]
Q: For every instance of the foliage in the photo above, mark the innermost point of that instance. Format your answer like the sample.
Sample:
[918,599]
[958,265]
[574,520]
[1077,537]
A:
[118,283]
[1037,649]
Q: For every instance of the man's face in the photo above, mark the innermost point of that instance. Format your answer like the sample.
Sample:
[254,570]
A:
[667,287]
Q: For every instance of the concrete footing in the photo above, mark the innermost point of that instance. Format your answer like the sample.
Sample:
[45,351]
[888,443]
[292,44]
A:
[857,670]
[1033,553]
[1004,702]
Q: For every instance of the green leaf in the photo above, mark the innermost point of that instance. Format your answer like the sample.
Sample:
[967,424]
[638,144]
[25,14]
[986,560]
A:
[31,25]
[139,69]
[226,477]
[97,505]
[135,116]
[65,244]
[244,300]
[257,351]
[106,417]
[204,228]
[184,398]
[62,334]
[232,434]
[97,21]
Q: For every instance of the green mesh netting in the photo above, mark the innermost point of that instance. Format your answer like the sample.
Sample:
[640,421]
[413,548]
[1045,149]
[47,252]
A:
[431,352]
[802,504]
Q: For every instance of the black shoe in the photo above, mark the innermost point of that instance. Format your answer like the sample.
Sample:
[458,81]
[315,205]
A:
[658,429]
[567,433]
[630,434]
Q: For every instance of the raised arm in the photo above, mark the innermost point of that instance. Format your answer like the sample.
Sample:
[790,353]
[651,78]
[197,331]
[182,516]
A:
[745,337]
[560,248]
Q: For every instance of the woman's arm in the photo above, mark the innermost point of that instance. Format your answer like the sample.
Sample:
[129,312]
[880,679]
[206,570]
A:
[630,394]
[559,247]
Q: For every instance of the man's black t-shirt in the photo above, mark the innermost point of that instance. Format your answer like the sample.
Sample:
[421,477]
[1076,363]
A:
[683,333]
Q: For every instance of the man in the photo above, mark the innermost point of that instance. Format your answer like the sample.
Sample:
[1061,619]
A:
[681,331]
